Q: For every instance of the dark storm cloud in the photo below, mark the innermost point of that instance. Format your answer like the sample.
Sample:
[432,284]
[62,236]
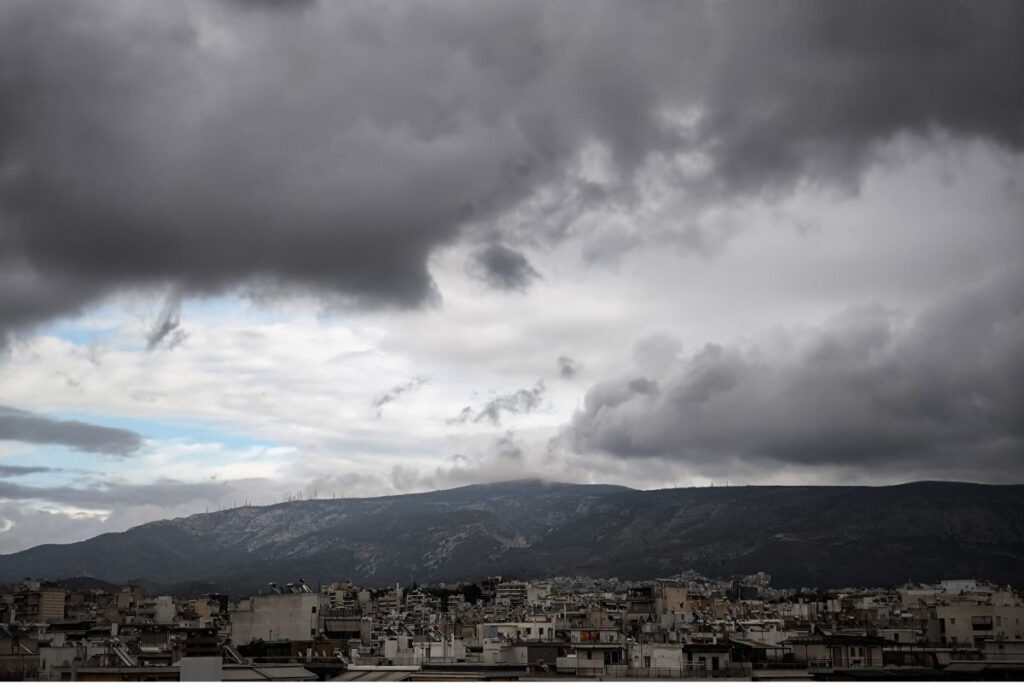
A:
[516,403]
[806,90]
[502,267]
[208,146]
[19,425]
[394,392]
[28,296]
[940,394]
[567,367]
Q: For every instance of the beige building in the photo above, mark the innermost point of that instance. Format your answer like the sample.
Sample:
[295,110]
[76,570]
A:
[669,599]
[969,623]
[643,655]
[51,605]
[39,605]
[128,598]
[279,616]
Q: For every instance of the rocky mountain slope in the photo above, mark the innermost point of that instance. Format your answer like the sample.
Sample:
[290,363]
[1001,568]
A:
[803,536]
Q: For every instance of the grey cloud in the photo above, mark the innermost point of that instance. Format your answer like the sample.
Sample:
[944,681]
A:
[163,492]
[353,483]
[272,5]
[23,523]
[938,396]
[507,449]
[29,296]
[806,90]
[567,367]
[400,127]
[22,470]
[19,425]
[606,245]
[168,323]
[151,145]
[501,460]
[516,403]
[465,415]
[394,392]
[502,267]
[657,352]
[23,526]
[407,478]
[642,385]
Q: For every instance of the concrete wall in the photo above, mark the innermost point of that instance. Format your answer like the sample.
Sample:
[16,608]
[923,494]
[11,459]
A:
[51,605]
[670,599]
[163,610]
[961,622]
[287,616]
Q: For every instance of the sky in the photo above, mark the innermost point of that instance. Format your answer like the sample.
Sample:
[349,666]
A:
[258,251]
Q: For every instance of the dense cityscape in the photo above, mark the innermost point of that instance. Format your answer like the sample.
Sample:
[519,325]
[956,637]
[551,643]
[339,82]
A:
[685,626]
[517,340]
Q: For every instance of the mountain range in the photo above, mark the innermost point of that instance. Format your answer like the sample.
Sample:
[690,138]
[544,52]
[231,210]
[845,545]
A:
[825,536]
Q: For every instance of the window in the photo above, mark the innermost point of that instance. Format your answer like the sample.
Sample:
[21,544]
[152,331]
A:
[952,620]
[647,662]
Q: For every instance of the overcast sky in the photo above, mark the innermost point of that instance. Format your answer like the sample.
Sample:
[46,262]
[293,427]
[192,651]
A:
[253,250]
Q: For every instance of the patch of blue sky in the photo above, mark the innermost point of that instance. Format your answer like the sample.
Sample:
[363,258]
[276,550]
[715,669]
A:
[95,324]
[217,309]
[77,335]
[104,321]
[180,430]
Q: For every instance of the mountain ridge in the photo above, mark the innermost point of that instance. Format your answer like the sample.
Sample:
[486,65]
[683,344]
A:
[803,535]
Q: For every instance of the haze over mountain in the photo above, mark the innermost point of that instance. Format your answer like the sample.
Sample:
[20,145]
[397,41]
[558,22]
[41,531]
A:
[803,536]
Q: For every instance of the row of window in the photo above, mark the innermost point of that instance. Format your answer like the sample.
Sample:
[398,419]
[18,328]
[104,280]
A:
[988,620]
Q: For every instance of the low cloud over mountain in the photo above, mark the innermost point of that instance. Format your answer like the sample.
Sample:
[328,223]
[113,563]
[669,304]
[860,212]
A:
[940,393]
